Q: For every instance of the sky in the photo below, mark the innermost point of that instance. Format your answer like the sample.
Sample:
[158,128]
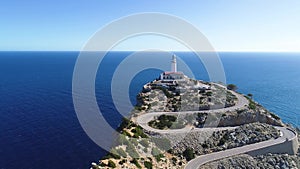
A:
[229,25]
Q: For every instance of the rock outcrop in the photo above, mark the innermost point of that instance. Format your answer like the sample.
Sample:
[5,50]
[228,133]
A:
[270,161]
[226,139]
[247,115]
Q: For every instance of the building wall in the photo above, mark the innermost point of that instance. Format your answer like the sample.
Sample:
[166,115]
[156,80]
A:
[173,76]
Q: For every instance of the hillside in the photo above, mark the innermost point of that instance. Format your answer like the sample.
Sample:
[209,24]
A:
[173,123]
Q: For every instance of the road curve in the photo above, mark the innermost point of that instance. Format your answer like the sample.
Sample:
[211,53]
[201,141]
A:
[286,134]
[203,159]
[143,119]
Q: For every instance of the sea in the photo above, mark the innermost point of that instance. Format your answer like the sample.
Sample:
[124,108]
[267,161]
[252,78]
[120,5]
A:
[38,124]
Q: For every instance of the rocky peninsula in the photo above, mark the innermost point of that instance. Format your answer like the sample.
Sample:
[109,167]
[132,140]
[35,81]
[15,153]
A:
[180,122]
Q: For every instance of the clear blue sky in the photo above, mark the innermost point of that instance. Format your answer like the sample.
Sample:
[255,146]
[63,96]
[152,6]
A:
[230,25]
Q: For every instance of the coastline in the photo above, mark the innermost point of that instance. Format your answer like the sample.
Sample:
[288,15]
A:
[142,120]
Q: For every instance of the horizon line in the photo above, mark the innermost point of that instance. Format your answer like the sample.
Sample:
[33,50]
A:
[221,51]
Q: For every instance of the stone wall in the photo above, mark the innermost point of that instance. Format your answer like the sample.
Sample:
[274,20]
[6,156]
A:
[287,147]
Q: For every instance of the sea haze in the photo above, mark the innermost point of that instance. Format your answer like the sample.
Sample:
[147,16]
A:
[39,127]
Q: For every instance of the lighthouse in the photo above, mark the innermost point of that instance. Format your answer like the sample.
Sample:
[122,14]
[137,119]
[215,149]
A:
[173,64]
[173,75]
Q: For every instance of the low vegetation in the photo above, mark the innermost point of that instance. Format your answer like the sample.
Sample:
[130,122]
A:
[252,104]
[126,123]
[225,139]
[166,92]
[232,87]
[148,165]
[133,145]
[189,154]
[164,122]
[138,132]
[136,163]
[111,164]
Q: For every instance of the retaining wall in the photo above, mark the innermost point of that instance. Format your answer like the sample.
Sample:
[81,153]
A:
[287,147]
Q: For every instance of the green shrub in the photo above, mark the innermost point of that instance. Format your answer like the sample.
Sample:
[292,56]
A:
[139,108]
[275,116]
[163,121]
[158,157]
[126,133]
[209,93]
[171,151]
[136,163]
[223,140]
[189,154]
[138,132]
[111,164]
[102,164]
[204,145]
[252,106]
[114,154]
[126,123]
[232,87]
[174,160]
[148,165]
[122,161]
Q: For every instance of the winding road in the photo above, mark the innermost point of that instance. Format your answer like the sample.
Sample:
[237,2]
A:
[286,134]
[143,119]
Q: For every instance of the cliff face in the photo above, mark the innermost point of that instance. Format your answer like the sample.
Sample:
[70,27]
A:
[247,116]
[186,97]
[247,122]
[271,161]
[224,139]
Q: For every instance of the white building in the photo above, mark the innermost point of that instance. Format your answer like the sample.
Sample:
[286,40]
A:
[173,74]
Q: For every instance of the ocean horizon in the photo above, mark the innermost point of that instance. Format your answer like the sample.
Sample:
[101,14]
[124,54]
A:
[39,127]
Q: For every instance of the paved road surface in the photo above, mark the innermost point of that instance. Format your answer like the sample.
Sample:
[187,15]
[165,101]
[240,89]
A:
[197,162]
[143,119]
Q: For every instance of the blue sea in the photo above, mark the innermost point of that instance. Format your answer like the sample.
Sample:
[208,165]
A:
[38,124]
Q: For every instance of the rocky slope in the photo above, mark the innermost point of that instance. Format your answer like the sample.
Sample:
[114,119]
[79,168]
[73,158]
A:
[225,139]
[270,161]
[187,95]
[249,124]
[249,115]
[154,98]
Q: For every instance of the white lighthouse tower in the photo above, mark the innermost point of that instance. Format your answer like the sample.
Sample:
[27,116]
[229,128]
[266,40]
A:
[173,64]
[173,75]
